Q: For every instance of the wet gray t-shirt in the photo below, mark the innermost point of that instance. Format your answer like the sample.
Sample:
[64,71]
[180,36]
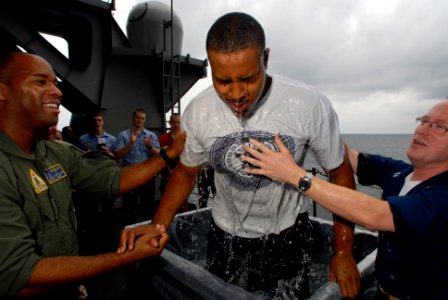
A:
[248,205]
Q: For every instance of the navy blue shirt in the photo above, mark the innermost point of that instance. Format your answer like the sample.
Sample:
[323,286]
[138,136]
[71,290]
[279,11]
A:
[412,262]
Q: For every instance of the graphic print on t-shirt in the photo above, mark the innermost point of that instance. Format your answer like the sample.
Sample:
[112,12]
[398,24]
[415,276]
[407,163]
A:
[225,157]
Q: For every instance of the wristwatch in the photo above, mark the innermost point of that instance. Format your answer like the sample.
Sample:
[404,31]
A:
[171,162]
[305,182]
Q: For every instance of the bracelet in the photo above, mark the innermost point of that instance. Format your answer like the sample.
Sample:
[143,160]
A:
[169,161]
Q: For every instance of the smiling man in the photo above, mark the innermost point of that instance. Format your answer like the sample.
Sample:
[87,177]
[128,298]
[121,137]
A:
[259,234]
[38,241]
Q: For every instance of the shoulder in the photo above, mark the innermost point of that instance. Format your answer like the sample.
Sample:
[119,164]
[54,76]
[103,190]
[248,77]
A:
[205,103]
[207,95]
[286,82]
[370,158]
[64,143]
[165,139]
[299,99]
[149,132]
[84,136]
[297,91]
[164,136]
[123,133]
[109,135]
[60,146]
[61,152]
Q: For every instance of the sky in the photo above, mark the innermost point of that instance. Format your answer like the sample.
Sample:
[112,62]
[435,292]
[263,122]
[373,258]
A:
[381,63]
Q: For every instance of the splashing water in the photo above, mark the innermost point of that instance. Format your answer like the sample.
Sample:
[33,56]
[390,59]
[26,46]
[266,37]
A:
[189,233]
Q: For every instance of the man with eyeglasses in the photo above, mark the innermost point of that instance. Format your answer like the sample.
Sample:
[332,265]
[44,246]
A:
[412,259]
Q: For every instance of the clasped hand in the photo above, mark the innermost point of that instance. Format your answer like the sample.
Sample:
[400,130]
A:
[149,239]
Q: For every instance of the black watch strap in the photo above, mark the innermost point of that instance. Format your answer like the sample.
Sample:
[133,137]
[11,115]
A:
[171,162]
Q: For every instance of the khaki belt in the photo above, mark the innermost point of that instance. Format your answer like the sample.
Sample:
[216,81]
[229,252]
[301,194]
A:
[385,293]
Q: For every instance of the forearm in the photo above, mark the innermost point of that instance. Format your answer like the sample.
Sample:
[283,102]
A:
[136,175]
[154,151]
[120,153]
[354,206]
[110,154]
[343,229]
[177,191]
[353,157]
[53,272]
[351,205]
[135,244]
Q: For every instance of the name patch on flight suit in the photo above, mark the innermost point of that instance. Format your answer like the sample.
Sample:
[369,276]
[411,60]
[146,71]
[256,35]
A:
[37,182]
[55,173]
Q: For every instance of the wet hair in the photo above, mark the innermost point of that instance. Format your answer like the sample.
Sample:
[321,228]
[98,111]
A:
[235,31]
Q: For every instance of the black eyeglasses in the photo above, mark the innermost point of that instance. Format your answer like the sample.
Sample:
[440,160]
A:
[436,127]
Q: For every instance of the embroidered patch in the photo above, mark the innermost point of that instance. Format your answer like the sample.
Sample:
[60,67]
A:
[55,173]
[37,182]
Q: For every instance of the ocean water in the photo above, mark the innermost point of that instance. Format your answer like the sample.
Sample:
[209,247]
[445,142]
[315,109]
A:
[391,145]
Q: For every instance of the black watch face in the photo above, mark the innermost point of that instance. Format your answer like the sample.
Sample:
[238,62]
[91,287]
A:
[305,183]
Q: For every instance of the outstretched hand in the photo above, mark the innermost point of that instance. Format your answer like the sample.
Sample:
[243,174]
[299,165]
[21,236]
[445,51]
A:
[279,166]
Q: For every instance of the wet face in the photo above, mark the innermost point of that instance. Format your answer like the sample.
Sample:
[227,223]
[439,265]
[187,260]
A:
[139,119]
[428,147]
[239,78]
[31,93]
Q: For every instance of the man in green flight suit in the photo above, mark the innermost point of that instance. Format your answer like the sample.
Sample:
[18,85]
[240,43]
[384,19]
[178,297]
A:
[37,219]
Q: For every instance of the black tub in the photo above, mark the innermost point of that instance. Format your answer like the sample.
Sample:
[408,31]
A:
[179,272]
